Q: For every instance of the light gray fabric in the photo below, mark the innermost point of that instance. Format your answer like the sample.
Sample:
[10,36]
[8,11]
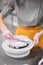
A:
[8,8]
[27,11]
[42,15]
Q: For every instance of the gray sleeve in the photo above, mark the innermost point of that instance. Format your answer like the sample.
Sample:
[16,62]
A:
[8,8]
[41,21]
[42,15]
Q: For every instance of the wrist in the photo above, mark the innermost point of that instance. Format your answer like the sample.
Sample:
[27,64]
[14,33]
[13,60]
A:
[41,32]
[1,16]
[3,29]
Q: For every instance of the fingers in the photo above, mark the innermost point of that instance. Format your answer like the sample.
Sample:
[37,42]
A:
[8,35]
[36,38]
[11,36]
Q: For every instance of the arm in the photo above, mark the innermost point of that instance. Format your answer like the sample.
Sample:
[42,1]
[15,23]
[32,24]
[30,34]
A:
[38,34]
[1,22]
[7,9]
[41,32]
[5,12]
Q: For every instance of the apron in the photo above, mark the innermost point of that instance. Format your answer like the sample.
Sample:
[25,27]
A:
[30,32]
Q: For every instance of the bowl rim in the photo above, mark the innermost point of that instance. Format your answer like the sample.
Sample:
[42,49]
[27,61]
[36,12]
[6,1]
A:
[8,49]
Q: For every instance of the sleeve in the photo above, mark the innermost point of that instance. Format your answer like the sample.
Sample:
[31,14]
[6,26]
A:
[41,21]
[8,8]
[42,15]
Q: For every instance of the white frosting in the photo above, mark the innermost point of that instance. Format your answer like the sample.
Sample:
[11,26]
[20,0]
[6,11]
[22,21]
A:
[18,44]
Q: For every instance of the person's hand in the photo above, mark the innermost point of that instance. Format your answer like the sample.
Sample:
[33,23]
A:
[36,38]
[7,34]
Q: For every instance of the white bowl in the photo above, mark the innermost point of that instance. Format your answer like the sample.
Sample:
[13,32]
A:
[17,53]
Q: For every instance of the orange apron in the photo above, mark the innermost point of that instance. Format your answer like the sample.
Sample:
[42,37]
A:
[30,32]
